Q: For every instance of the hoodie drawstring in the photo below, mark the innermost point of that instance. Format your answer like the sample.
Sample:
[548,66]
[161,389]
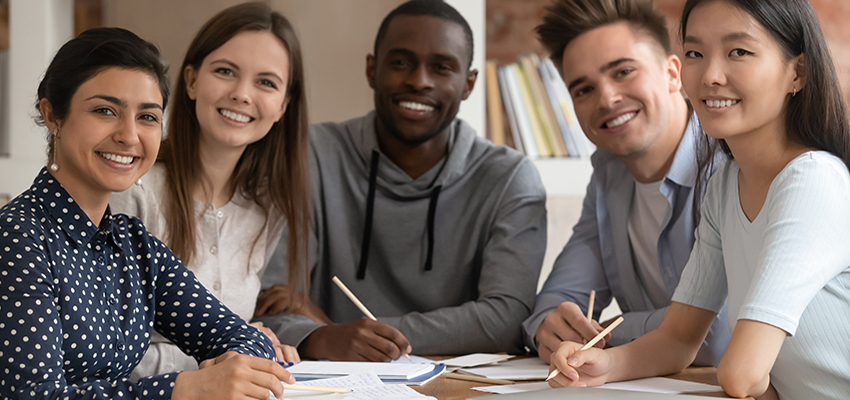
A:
[432,210]
[370,208]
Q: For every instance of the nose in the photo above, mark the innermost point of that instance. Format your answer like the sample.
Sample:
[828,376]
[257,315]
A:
[609,96]
[241,92]
[713,75]
[127,132]
[420,78]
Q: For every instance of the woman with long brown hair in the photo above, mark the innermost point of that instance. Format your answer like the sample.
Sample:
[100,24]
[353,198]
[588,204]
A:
[232,174]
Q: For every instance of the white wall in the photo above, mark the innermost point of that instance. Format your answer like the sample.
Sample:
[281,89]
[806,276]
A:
[37,28]
[473,110]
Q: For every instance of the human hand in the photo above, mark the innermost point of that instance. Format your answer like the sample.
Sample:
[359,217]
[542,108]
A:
[279,298]
[578,367]
[232,376]
[566,323]
[283,353]
[361,340]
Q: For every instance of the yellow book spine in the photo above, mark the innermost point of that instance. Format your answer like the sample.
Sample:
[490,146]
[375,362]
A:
[494,105]
[533,118]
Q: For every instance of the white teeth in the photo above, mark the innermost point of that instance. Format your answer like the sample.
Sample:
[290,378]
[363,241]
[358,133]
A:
[415,106]
[117,158]
[234,116]
[721,103]
[621,120]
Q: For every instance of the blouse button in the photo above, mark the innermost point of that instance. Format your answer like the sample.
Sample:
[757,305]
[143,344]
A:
[121,346]
[214,249]
[100,259]
[217,286]
[219,214]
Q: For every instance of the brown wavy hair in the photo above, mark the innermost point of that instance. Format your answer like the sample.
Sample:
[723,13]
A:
[272,172]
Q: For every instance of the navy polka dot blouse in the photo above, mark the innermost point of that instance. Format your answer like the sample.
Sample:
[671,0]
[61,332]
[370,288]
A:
[78,303]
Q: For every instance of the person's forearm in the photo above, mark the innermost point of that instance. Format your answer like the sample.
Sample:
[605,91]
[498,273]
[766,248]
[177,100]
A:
[489,325]
[666,350]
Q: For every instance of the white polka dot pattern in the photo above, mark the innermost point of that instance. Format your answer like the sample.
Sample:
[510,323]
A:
[78,303]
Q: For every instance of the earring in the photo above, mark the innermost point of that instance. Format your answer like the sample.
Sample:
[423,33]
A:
[795,93]
[53,166]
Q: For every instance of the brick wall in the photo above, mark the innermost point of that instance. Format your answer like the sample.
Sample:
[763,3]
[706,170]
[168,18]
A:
[510,29]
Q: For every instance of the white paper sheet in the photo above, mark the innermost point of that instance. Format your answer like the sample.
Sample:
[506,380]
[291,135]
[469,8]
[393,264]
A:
[328,369]
[651,385]
[662,385]
[475,359]
[522,369]
[413,360]
[365,386]
[518,388]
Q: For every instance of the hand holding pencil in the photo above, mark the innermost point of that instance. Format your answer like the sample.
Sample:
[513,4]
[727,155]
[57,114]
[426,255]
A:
[381,336]
[571,357]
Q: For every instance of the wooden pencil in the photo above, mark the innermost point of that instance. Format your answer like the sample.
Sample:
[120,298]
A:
[590,306]
[475,378]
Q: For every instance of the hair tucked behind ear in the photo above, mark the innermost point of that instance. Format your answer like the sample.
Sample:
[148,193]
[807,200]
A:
[817,116]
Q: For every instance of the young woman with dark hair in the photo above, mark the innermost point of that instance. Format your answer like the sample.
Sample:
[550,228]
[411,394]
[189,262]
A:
[83,288]
[232,175]
[774,232]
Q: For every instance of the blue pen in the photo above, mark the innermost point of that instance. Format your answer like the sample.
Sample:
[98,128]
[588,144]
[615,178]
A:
[286,364]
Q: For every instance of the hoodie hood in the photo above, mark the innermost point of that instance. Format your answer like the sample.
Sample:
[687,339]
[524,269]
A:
[394,182]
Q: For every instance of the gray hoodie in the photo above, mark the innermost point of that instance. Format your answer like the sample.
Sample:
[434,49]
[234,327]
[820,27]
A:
[451,258]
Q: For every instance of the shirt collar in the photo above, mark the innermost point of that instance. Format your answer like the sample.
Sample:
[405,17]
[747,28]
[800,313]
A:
[68,214]
[683,170]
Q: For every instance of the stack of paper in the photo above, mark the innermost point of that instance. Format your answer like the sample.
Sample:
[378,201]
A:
[415,372]
[330,369]
[365,386]
[515,370]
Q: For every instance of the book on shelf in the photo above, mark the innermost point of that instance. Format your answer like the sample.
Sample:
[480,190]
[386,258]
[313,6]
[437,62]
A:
[516,142]
[494,105]
[534,100]
[545,113]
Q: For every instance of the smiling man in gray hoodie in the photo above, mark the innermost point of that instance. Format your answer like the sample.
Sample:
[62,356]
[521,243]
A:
[440,233]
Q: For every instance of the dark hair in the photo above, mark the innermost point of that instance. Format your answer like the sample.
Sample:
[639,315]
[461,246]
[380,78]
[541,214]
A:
[83,57]
[273,172]
[816,116]
[565,20]
[432,8]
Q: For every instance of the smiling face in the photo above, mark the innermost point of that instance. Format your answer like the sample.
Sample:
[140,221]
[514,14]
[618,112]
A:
[111,135]
[735,73]
[420,76]
[623,89]
[239,90]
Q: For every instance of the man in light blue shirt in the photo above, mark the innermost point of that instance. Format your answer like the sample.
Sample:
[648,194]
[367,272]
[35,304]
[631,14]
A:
[636,229]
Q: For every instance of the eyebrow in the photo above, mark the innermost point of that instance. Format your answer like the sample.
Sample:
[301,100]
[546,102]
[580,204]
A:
[603,69]
[122,103]
[731,37]
[236,67]
[409,53]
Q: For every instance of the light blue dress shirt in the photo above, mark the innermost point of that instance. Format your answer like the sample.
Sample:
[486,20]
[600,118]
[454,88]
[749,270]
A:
[598,255]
